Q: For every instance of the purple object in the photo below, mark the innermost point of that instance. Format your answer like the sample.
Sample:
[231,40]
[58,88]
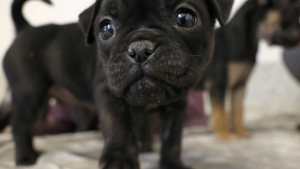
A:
[195,111]
[60,120]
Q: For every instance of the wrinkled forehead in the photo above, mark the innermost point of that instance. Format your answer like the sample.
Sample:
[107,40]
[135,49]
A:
[121,8]
[292,11]
[281,4]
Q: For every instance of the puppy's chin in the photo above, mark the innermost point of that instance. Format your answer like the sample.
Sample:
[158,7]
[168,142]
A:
[147,90]
[285,41]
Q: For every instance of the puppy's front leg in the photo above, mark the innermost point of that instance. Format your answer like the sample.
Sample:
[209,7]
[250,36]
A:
[116,119]
[172,117]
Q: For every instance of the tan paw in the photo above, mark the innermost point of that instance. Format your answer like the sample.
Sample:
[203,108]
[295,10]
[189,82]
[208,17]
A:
[244,134]
[227,136]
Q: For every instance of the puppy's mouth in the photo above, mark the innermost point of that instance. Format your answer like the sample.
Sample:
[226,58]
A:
[147,89]
[163,77]
[287,38]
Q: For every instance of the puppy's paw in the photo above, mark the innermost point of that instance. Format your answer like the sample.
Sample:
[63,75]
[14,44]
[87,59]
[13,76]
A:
[298,127]
[227,136]
[243,134]
[173,166]
[118,162]
[26,159]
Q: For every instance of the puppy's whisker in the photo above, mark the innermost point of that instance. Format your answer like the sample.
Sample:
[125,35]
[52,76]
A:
[181,80]
[194,70]
[196,66]
[196,55]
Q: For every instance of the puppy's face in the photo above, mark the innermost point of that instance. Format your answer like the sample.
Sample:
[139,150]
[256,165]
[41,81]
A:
[288,32]
[153,51]
[282,27]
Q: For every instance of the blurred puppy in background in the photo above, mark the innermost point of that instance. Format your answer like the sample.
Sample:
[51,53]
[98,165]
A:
[282,26]
[46,41]
[236,46]
[5,110]
[284,35]
[53,49]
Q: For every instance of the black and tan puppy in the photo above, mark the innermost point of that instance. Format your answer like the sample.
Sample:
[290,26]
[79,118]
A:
[235,56]
[150,53]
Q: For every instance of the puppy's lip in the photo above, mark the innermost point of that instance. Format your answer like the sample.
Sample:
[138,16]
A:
[147,90]
[147,77]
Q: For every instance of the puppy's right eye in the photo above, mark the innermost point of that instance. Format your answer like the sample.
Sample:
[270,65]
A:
[107,31]
[186,18]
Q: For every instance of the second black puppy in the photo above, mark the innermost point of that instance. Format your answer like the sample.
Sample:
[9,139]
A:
[38,59]
[150,53]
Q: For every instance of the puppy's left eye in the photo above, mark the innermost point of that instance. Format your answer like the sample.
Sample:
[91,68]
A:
[107,31]
[186,19]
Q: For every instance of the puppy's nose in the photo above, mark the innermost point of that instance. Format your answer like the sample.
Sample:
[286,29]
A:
[140,51]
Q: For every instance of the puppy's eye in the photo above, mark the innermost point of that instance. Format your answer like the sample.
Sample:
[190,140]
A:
[107,31]
[186,19]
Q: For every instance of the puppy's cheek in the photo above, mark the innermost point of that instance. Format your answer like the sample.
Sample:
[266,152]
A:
[105,48]
[121,73]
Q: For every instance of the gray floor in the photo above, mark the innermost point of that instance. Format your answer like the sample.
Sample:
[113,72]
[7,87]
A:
[275,145]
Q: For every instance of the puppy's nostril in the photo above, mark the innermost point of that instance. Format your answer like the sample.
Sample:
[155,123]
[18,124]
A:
[132,54]
[140,51]
[148,52]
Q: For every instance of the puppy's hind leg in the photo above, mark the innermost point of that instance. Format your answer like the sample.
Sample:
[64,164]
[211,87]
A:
[237,99]
[28,103]
[238,74]
[219,119]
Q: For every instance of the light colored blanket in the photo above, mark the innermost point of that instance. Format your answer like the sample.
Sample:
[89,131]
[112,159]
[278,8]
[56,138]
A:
[275,144]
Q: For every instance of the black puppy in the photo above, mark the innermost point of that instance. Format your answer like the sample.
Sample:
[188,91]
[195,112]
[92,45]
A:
[235,56]
[282,27]
[150,53]
[5,111]
[38,59]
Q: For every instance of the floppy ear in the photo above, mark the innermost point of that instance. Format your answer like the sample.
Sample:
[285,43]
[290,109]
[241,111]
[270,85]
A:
[278,4]
[262,2]
[285,3]
[222,9]
[87,20]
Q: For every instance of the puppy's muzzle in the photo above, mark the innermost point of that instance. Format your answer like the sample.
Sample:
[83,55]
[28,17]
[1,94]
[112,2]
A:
[140,51]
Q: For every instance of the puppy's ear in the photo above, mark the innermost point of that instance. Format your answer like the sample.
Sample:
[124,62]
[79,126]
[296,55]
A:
[87,20]
[262,2]
[278,4]
[222,9]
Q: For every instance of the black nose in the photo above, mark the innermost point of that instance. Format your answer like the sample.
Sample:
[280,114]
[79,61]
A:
[141,50]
